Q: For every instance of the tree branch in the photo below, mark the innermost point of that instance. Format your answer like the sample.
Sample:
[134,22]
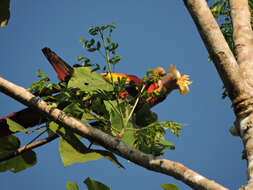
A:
[237,79]
[219,51]
[174,169]
[243,40]
[243,36]
[28,147]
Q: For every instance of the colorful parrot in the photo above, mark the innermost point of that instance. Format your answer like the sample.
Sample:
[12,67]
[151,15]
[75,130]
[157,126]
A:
[160,82]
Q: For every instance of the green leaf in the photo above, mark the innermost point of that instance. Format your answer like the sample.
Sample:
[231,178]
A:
[68,136]
[70,155]
[108,40]
[41,74]
[115,117]
[166,144]
[95,185]
[10,144]
[98,45]
[117,121]
[72,150]
[88,81]
[4,12]
[251,4]
[81,39]
[74,110]
[113,26]
[129,134]
[173,126]
[14,126]
[92,49]
[169,187]
[72,186]
[80,58]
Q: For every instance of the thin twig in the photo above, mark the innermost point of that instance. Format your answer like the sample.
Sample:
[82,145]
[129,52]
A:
[35,138]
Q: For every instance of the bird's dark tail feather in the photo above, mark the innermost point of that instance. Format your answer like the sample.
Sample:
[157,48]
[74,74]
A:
[30,117]
[63,70]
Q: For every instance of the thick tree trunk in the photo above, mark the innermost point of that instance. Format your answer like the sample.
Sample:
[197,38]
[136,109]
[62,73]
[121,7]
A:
[243,40]
[236,73]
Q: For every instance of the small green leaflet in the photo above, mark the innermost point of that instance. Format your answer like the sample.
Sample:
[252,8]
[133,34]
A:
[95,185]
[169,187]
[72,186]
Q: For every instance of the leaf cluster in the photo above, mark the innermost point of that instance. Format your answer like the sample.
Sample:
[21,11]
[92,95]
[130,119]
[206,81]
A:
[92,99]
[221,11]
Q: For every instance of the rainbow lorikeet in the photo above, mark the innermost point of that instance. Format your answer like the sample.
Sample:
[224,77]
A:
[160,82]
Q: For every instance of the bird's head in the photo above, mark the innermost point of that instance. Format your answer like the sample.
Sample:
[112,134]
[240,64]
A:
[175,80]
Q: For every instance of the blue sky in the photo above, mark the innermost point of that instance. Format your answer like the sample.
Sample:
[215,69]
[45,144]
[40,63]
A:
[150,34]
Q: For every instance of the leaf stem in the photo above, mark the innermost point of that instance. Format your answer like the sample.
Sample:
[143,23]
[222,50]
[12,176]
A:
[135,104]
[107,56]
[110,71]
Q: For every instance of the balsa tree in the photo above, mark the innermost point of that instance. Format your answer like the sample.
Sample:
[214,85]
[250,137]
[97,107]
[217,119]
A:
[230,48]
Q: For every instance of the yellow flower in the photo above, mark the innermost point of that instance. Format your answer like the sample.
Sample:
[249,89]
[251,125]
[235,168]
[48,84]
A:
[182,81]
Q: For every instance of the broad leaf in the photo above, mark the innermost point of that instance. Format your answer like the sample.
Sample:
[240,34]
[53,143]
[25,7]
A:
[72,150]
[88,81]
[95,185]
[128,135]
[117,119]
[70,155]
[115,116]
[14,126]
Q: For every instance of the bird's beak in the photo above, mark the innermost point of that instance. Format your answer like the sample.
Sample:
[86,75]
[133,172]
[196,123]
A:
[182,81]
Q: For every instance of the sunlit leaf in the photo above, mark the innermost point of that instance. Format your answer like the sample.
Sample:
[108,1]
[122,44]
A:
[4,12]
[81,39]
[80,58]
[87,80]
[117,121]
[14,126]
[95,185]
[169,187]
[72,186]
[70,155]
